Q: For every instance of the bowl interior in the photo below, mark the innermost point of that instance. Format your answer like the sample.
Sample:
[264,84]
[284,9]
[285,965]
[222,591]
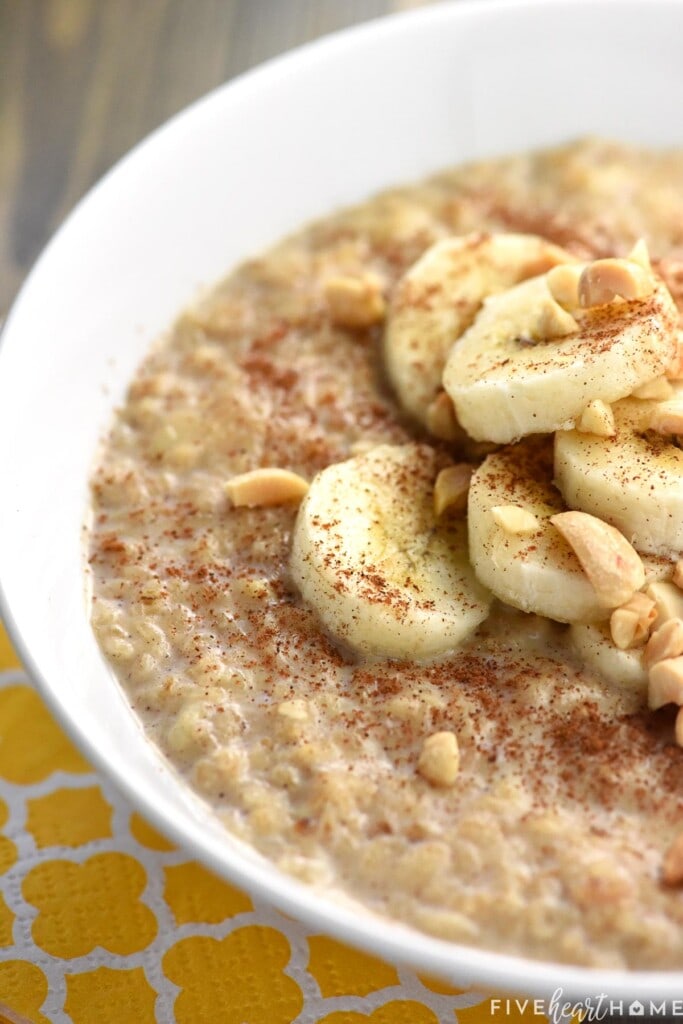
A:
[322,127]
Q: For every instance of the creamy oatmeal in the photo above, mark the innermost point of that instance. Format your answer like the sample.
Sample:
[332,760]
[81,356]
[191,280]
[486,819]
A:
[434,744]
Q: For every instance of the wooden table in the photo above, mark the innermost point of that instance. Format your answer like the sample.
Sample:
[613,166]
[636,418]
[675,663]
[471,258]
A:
[81,81]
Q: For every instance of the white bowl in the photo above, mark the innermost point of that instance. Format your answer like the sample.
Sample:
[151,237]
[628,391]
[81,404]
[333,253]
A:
[308,132]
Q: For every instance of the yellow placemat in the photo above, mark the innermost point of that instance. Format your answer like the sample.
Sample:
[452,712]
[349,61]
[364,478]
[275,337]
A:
[104,921]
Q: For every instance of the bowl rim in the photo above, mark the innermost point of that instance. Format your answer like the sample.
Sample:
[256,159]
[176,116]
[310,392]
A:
[491,970]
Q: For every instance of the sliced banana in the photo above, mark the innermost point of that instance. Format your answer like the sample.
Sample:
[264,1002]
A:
[535,572]
[508,376]
[658,568]
[437,299]
[633,480]
[594,645]
[384,575]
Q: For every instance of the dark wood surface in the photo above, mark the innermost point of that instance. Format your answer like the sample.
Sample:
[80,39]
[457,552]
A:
[81,81]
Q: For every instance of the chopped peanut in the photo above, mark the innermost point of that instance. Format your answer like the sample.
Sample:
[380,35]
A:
[563,284]
[451,488]
[603,281]
[665,642]
[514,519]
[612,565]
[639,254]
[672,865]
[268,486]
[623,626]
[441,420]
[554,321]
[665,683]
[659,389]
[667,418]
[597,418]
[668,599]
[645,607]
[630,624]
[439,760]
[355,302]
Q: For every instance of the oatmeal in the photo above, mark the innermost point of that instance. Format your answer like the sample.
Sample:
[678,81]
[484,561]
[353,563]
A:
[464,721]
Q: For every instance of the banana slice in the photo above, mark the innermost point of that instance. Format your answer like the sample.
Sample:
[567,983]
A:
[536,572]
[520,368]
[658,568]
[594,645]
[633,480]
[385,576]
[437,299]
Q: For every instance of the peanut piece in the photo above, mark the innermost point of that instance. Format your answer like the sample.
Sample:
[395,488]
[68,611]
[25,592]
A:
[514,519]
[639,254]
[630,624]
[678,728]
[672,864]
[659,389]
[645,608]
[264,487]
[355,302]
[623,626]
[612,565]
[597,418]
[563,284]
[667,418]
[441,420]
[554,321]
[668,600]
[665,684]
[604,280]
[451,488]
[439,760]
[665,642]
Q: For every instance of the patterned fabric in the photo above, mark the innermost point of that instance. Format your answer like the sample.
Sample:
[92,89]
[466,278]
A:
[103,921]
